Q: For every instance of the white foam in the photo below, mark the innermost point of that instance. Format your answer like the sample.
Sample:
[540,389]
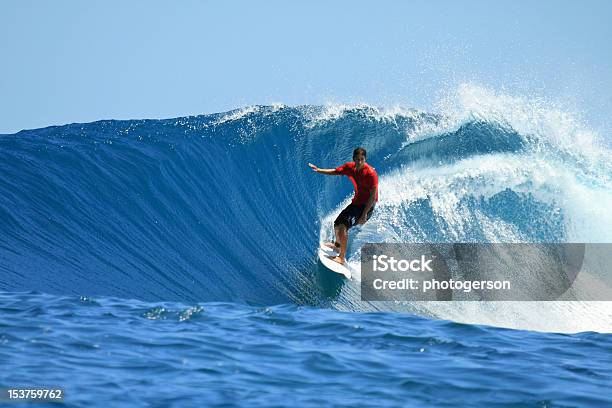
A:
[567,168]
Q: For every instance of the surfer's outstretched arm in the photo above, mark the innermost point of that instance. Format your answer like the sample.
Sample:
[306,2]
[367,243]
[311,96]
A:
[329,172]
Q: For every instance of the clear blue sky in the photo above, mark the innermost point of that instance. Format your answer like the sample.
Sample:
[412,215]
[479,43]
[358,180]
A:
[79,61]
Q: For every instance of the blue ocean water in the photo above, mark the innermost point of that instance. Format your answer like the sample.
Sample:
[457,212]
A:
[117,352]
[172,262]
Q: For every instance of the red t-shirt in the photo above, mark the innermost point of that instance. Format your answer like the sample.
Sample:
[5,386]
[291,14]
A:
[363,181]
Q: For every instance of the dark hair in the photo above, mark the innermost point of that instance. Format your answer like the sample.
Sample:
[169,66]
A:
[360,150]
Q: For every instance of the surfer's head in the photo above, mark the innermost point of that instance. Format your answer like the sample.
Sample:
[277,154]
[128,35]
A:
[359,157]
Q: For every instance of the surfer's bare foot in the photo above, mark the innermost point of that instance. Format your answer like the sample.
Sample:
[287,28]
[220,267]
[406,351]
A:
[339,260]
[332,246]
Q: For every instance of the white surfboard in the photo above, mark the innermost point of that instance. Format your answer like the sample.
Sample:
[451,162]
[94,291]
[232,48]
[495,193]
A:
[325,256]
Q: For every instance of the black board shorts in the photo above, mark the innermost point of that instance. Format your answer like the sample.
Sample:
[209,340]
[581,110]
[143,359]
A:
[351,214]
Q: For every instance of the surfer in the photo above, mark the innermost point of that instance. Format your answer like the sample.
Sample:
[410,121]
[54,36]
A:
[365,181]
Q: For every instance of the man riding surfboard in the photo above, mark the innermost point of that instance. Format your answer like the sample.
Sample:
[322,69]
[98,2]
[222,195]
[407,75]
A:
[365,181]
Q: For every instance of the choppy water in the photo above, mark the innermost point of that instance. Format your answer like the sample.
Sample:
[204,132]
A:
[117,352]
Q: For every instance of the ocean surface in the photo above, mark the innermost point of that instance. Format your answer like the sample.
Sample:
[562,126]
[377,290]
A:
[173,262]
